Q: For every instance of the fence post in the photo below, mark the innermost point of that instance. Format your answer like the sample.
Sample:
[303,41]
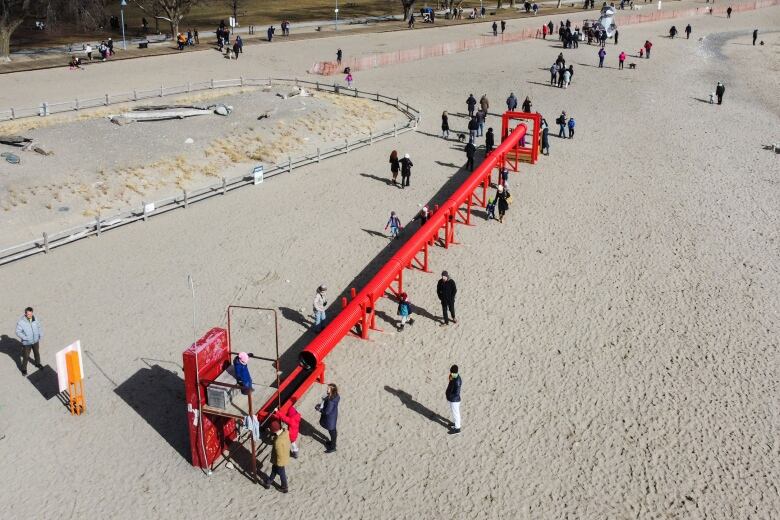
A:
[105,101]
[289,164]
[189,87]
[370,137]
[135,95]
[212,83]
[224,185]
[396,102]
[346,145]
[97,224]
[144,210]
[161,91]
[45,108]
[318,86]
[242,80]
[186,199]
[13,113]
[318,154]
[377,96]
[77,103]
[45,242]
[335,89]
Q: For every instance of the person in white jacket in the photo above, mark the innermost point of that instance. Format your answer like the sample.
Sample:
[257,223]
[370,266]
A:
[29,331]
[320,304]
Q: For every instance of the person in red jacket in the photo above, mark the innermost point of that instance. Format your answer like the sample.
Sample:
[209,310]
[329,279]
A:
[292,418]
[648,46]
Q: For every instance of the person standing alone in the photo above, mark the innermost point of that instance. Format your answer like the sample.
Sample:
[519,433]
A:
[719,91]
[320,304]
[454,385]
[755,36]
[329,414]
[29,331]
[446,290]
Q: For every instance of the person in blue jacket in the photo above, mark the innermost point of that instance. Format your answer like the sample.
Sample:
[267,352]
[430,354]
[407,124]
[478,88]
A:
[571,128]
[242,374]
[329,414]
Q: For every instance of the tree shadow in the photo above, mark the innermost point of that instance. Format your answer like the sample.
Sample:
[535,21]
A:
[295,316]
[408,401]
[157,395]
[387,181]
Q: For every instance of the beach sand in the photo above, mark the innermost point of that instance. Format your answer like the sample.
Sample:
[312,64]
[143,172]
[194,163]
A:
[617,335]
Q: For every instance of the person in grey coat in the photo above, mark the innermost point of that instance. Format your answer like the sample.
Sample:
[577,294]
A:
[29,331]
[511,102]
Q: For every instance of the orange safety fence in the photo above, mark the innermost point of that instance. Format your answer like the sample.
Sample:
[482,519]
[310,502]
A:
[372,61]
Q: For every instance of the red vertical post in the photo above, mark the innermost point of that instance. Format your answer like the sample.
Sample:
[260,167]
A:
[343,302]
[352,292]
[363,321]
[468,209]
[425,256]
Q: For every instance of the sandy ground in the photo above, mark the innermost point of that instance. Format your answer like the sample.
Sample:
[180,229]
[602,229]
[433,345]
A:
[99,168]
[617,335]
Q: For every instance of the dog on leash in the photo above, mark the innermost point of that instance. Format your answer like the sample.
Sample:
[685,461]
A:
[632,65]
[712,98]
[461,138]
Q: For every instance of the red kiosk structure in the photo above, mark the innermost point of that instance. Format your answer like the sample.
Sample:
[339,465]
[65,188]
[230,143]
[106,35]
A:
[212,432]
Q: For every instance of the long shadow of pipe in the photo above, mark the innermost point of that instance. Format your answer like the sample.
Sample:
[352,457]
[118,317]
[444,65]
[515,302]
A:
[288,360]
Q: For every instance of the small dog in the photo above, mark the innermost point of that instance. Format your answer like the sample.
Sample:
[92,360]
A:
[462,138]
[632,65]
[712,98]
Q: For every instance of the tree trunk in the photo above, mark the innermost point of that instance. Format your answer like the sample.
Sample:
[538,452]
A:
[408,4]
[174,27]
[6,30]
[500,4]
[559,5]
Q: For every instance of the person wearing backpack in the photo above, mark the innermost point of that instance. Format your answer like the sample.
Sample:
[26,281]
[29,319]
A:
[561,122]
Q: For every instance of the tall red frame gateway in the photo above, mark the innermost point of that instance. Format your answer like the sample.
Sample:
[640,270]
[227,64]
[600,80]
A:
[526,152]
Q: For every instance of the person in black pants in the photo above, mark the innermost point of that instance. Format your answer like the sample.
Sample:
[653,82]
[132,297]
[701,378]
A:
[755,36]
[490,141]
[446,290]
[406,170]
[719,91]
[470,151]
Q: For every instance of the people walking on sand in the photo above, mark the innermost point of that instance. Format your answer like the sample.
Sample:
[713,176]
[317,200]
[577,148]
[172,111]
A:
[196,36]
[472,127]
[553,74]
[270,32]
[502,201]
[404,310]
[480,122]
[672,32]
[484,104]
[571,127]
[566,78]
[320,304]
[240,43]
[648,46]
[615,36]
[544,32]
[490,141]
[406,170]
[621,59]
[394,223]
[470,150]
[545,137]
[719,91]
[241,371]
[550,28]
[395,166]
[755,36]
[338,56]
[527,105]
[348,79]
[561,121]
[446,291]
[511,102]
[471,103]
[454,386]
[688,31]
[280,457]
[292,418]
[236,48]
[602,55]
[728,12]
[503,26]
[423,215]
[445,125]
[30,332]
[329,414]
[411,21]
[88,51]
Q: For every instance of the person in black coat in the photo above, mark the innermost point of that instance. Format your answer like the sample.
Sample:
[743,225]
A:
[489,141]
[471,102]
[470,150]
[502,202]
[329,414]
[395,166]
[446,290]
[719,91]
[454,384]
[406,170]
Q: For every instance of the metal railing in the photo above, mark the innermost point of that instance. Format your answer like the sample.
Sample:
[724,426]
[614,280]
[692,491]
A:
[182,200]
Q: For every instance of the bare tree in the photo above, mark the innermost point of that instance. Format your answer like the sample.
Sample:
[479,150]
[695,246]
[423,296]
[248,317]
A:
[12,14]
[172,11]
[407,8]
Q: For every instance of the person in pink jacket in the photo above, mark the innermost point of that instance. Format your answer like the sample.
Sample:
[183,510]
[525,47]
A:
[621,59]
[292,418]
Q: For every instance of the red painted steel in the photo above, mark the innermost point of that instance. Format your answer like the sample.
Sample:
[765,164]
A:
[360,309]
